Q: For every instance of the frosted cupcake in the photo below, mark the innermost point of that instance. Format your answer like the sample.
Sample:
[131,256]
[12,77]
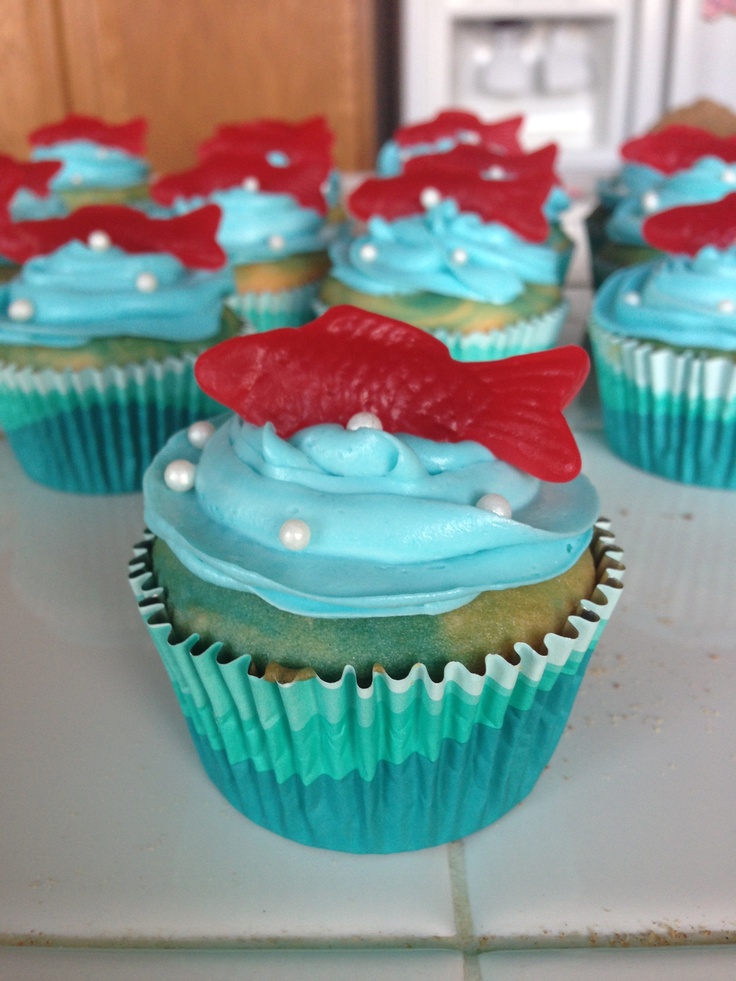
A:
[461,255]
[274,225]
[672,166]
[102,163]
[381,577]
[25,195]
[98,336]
[492,148]
[664,340]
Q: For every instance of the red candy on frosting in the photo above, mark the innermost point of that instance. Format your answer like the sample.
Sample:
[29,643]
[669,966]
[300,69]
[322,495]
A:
[454,123]
[33,176]
[516,204]
[308,140]
[129,136]
[687,229]
[349,361]
[303,180]
[678,147]
[537,164]
[190,238]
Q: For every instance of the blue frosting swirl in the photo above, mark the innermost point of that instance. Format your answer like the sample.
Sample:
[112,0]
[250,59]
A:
[420,253]
[89,164]
[678,300]
[27,206]
[393,519]
[706,181]
[77,293]
[260,226]
[633,179]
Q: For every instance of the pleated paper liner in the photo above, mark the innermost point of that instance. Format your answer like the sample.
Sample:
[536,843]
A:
[670,412]
[399,765]
[95,431]
[282,308]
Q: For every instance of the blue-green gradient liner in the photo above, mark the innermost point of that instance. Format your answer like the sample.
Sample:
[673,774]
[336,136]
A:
[399,765]
[671,412]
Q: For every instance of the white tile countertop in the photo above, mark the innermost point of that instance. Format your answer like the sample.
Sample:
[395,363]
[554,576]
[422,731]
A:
[119,858]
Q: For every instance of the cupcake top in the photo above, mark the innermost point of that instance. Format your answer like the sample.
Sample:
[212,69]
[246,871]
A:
[366,473]
[93,153]
[111,271]
[271,181]
[688,297]
[446,228]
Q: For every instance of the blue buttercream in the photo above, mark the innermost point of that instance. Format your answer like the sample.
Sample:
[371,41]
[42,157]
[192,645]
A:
[27,206]
[394,526]
[89,164]
[632,179]
[678,300]
[77,293]
[420,253]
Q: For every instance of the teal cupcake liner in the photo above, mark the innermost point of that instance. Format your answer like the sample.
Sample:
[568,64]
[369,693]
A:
[95,431]
[399,765]
[282,308]
[670,412]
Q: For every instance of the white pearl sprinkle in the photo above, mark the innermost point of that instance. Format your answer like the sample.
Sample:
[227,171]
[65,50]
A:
[102,153]
[460,256]
[99,241]
[146,283]
[77,179]
[368,252]
[429,197]
[727,306]
[469,136]
[251,184]
[650,201]
[496,504]
[364,420]
[276,242]
[496,173]
[199,433]
[294,534]
[179,476]
[21,309]
[633,299]
[729,176]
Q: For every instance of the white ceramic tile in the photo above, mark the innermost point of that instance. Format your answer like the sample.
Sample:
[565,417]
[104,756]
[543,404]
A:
[674,964]
[109,827]
[629,835]
[228,965]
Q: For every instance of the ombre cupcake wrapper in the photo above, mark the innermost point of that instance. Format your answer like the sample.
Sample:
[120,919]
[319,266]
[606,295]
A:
[670,412]
[400,765]
[282,308]
[95,431]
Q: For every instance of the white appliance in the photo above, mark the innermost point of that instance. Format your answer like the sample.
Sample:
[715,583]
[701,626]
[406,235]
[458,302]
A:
[586,74]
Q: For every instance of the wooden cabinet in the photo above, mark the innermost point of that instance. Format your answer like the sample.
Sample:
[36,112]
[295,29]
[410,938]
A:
[188,65]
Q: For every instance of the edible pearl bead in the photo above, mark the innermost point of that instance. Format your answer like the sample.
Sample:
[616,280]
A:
[199,433]
[650,201]
[496,504]
[101,153]
[179,475]
[729,176]
[146,283]
[470,136]
[77,179]
[633,299]
[276,242]
[368,252]
[429,197]
[460,256]
[21,309]
[251,184]
[496,173]
[727,306]
[294,534]
[99,241]
[364,420]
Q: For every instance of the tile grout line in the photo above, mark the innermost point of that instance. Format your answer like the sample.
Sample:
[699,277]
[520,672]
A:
[464,929]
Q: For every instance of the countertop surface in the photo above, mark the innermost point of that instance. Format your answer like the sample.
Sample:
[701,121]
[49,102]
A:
[119,859]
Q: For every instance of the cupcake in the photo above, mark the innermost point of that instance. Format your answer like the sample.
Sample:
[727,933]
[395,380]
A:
[272,191]
[455,252]
[672,166]
[498,154]
[24,196]
[99,331]
[664,341]
[102,163]
[377,583]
